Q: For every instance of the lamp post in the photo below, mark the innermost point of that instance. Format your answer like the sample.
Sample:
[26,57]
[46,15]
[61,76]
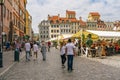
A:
[1,30]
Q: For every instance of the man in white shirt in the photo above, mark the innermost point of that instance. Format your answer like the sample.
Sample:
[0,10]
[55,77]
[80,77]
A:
[27,49]
[70,51]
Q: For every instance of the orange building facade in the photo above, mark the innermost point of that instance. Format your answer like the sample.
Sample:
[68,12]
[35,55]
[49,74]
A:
[14,19]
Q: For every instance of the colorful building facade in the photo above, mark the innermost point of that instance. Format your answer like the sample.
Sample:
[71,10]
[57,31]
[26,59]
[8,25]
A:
[57,25]
[14,19]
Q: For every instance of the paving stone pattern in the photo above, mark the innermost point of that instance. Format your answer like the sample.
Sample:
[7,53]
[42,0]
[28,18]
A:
[84,69]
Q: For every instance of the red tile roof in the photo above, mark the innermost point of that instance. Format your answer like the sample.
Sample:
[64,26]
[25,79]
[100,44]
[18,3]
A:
[82,22]
[94,13]
[70,12]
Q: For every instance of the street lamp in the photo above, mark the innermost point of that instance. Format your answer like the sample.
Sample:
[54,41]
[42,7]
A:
[1,41]
[3,38]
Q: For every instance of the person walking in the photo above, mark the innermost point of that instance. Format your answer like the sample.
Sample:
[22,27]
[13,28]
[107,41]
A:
[43,50]
[27,49]
[49,45]
[70,51]
[17,51]
[31,44]
[62,53]
[35,49]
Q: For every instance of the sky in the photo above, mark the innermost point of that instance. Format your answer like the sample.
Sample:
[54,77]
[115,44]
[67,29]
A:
[39,9]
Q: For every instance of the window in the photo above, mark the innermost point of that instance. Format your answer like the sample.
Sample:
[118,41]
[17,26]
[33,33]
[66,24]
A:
[69,30]
[10,15]
[51,36]
[57,31]
[47,36]
[62,21]
[67,21]
[57,21]
[51,31]
[51,21]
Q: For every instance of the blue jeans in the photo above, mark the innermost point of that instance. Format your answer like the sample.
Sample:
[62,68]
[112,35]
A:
[44,55]
[27,55]
[70,62]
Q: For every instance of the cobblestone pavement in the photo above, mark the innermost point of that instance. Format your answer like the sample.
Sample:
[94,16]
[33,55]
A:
[8,60]
[84,69]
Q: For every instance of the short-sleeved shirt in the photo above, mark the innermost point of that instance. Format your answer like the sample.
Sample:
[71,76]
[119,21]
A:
[70,47]
[35,47]
[62,51]
[27,46]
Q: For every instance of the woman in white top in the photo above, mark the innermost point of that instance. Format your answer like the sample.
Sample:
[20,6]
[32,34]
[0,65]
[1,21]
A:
[62,53]
[35,49]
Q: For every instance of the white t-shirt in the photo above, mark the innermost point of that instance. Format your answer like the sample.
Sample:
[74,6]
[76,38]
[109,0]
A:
[27,46]
[62,50]
[70,47]
[35,47]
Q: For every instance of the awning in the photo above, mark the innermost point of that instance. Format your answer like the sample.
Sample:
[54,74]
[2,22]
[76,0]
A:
[85,33]
[105,33]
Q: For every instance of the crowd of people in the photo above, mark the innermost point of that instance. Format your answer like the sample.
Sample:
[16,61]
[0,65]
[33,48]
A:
[67,50]
[100,48]
[31,48]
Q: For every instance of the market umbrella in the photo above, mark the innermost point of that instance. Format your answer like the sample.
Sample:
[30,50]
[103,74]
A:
[85,34]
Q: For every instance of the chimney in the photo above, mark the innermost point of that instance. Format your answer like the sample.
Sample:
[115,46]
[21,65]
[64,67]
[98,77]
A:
[58,15]
[80,18]
[48,16]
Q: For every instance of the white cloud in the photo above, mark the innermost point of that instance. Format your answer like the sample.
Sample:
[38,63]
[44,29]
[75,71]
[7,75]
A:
[39,9]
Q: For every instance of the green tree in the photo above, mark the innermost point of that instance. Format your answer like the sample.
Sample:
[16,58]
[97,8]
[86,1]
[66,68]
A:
[89,41]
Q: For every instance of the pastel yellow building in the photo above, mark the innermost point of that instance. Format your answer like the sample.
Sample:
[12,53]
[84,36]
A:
[28,27]
[93,16]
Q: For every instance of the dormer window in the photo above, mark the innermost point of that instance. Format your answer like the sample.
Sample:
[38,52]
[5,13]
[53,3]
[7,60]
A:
[57,21]
[62,21]
[51,21]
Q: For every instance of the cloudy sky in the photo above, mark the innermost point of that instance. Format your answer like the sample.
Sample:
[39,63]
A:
[39,9]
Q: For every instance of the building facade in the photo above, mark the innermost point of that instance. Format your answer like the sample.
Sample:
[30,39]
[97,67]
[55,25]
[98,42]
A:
[95,23]
[44,30]
[56,25]
[14,19]
[28,28]
[6,15]
[70,25]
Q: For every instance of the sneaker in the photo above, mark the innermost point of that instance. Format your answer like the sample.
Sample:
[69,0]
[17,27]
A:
[72,69]
[69,70]
[63,66]
[44,59]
